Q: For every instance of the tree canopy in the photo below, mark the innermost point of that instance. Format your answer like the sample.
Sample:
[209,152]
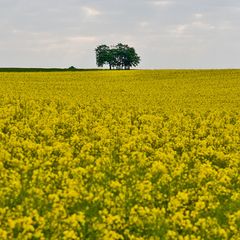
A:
[120,56]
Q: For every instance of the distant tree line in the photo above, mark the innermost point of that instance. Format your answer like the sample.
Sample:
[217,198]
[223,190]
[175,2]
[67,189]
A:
[120,56]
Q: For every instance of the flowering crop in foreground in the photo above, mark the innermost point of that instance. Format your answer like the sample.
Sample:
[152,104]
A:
[101,166]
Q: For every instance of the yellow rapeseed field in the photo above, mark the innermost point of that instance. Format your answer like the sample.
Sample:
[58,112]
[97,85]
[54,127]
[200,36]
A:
[115,155]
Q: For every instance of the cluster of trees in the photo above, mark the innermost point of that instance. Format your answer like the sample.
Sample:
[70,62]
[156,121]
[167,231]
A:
[120,56]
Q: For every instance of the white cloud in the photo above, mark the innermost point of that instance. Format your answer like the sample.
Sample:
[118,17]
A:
[202,25]
[16,31]
[181,28]
[162,3]
[188,29]
[144,24]
[198,15]
[81,39]
[91,12]
[227,26]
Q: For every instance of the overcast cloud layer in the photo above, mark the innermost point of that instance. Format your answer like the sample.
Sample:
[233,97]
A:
[165,33]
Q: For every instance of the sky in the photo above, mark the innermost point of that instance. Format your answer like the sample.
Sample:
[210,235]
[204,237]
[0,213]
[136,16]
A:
[165,33]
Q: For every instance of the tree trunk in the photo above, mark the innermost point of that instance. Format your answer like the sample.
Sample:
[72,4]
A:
[110,66]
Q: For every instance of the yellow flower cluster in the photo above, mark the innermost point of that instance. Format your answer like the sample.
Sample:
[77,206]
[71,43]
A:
[120,155]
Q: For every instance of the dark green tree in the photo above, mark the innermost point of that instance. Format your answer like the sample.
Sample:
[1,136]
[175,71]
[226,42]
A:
[132,59]
[126,56]
[120,56]
[102,55]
